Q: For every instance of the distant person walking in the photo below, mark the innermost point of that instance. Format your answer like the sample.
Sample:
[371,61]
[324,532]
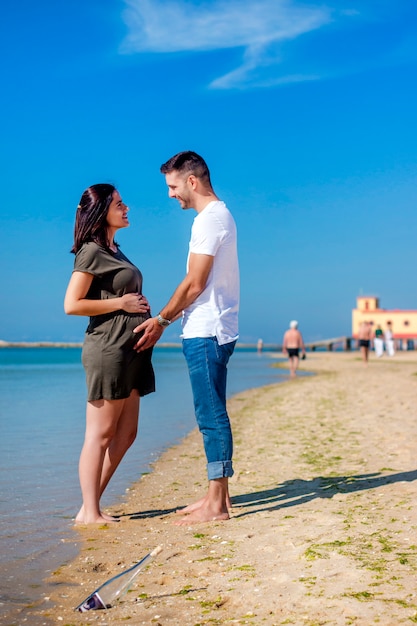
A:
[379,342]
[291,346]
[106,286]
[208,301]
[364,340]
[389,340]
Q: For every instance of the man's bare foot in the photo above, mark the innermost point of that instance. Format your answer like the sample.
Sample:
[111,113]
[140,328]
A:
[198,504]
[201,515]
[191,507]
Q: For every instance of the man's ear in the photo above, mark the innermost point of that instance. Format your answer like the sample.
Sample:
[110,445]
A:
[192,181]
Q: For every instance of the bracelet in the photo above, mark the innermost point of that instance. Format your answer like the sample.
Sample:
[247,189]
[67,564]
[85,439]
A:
[162,321]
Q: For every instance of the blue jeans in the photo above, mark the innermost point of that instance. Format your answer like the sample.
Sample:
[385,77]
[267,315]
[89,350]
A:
[207,366]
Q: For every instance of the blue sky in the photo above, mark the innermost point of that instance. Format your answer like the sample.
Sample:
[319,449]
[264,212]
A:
[304,112]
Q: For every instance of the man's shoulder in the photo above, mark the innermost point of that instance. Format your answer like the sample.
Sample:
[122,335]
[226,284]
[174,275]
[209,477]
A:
[217,212]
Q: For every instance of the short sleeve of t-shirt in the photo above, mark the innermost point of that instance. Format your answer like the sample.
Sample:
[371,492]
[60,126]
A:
[207,234]
[89,259]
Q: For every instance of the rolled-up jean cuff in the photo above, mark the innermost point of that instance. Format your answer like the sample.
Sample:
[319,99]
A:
[219,469]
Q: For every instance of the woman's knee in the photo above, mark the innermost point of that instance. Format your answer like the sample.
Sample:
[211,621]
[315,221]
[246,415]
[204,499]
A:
[98,440]
[125,437]
[131,437]
[107,435]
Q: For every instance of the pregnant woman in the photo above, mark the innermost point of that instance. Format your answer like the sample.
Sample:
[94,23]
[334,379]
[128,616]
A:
[107,287]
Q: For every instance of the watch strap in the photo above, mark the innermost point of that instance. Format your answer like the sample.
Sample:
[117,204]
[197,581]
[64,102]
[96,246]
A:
[162,321]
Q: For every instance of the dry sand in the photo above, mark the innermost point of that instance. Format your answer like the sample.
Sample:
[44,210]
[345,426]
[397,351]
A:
[323,526]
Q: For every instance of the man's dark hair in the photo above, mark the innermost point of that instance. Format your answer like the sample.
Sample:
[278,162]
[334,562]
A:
[188,162]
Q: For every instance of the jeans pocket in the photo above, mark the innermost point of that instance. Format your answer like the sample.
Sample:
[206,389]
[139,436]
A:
[224,351]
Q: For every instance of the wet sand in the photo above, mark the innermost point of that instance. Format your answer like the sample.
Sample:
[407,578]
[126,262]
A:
[324,521]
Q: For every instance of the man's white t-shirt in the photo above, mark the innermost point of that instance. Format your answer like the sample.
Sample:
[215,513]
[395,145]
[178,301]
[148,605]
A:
[215,312]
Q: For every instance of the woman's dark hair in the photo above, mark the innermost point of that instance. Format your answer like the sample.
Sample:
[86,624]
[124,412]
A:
[188,162]
[90,219]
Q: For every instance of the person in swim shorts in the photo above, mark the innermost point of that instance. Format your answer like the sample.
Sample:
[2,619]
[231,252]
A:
[364,340]
[291,346]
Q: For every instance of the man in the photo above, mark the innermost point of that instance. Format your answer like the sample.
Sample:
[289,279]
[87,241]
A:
[208,301]
[364,340]
[291,346]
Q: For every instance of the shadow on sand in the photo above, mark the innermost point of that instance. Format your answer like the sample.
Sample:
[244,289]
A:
[297,492]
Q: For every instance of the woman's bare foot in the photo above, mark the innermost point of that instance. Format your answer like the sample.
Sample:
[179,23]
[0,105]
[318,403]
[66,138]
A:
[103,518]
[97,520]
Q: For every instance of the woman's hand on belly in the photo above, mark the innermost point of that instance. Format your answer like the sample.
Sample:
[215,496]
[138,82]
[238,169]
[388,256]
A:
[134,303]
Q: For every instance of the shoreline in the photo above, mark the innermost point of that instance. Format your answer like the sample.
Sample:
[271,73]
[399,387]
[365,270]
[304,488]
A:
[322,525]
[79,344]
[31,551]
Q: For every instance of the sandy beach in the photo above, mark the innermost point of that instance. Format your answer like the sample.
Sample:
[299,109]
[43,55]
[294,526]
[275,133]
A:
[324,518]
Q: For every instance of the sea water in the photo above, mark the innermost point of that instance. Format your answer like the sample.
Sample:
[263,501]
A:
[42,418]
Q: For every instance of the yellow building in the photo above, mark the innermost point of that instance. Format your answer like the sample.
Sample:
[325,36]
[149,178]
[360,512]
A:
[403,323]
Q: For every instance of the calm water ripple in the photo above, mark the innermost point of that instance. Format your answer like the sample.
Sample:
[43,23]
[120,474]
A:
[42,413]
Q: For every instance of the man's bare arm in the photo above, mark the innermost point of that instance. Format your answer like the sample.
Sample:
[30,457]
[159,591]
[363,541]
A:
[284,343]
[194,283]
[302,346]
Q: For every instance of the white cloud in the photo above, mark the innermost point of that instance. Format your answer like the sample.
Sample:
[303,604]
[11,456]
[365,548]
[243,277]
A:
[257,26]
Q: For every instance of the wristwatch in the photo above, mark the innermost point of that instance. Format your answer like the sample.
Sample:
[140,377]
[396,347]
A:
[162,321]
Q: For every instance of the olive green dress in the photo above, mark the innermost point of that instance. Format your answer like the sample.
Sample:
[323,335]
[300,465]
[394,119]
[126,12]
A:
[112,366]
